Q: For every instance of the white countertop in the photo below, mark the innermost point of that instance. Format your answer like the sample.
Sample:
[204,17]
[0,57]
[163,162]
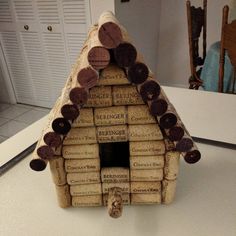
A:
[204,205]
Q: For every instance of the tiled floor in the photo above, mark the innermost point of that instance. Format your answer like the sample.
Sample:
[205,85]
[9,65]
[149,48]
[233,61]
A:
[14,118]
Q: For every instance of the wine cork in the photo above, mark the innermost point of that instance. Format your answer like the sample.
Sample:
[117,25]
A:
[87,201]
[170,146]
[125,187]
[63,195]
[140,115]
[58,171]
[98,56]
[116,133]
[109,32]
[158,106]
[145,187]
[146,162]
[138,73]
[83,178]
[37,163]
[79,95]
[85,118]
[100,97]
[85,135]
[168,191]
[85,189]
[144,132]
[171,168]
[115,202]
[114,175]
[112,75]
[146,175]
[125,199]
[193,155]
[125,54]
[110,115]
[83,151]
[144,198]
[126,95]
[58,151]
[84,165]
[147,148]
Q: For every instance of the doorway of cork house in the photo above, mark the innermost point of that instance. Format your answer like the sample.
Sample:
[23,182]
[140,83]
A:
[114,154]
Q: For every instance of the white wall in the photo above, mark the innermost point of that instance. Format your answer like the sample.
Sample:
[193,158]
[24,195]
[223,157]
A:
[173,58]
[141,19]
[98,6]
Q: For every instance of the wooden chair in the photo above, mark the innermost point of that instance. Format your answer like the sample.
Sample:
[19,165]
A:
[228,42]
[197,20]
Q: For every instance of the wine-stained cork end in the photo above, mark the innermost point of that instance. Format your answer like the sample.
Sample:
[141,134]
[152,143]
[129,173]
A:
[61,126]
[192,156]
[125,55]
[38,164]
[115,202]
[184,145]
[87,77]
[79,95]
[138,73]
[168,120]
[98,57]
[70,112]
[158,107]
[150,90]
[52,139]
[45,152]
[176,133]
[110,35]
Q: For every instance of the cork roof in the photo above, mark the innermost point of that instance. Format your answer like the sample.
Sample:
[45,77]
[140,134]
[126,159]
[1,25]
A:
[110,73]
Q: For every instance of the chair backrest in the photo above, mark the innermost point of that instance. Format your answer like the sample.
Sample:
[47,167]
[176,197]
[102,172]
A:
[197,20]
[228,42]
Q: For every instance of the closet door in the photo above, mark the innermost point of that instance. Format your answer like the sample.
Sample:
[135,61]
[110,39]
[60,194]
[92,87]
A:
[41,40]
[13,54]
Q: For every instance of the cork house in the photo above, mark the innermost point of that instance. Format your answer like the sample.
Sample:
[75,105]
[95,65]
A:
[113,137]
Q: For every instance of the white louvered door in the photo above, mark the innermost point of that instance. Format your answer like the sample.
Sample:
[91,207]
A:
[41,40]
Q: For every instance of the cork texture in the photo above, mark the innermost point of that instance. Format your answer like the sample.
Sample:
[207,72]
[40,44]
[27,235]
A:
[83,151]
[85,189]
[146,162]
[171,168]
[84,165]
[58,171]
[63,196]
[140,114]
[145,132]
[114,175]
[116,133]
[112,75]
[115,115]
[87,201]
[124,186]
[86,135]
[147,148]
[83,178]
[125,199]
[126,95]
[100,97]
[168,191]
[144,198]
[145,187]
[146,175]
[84,119]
